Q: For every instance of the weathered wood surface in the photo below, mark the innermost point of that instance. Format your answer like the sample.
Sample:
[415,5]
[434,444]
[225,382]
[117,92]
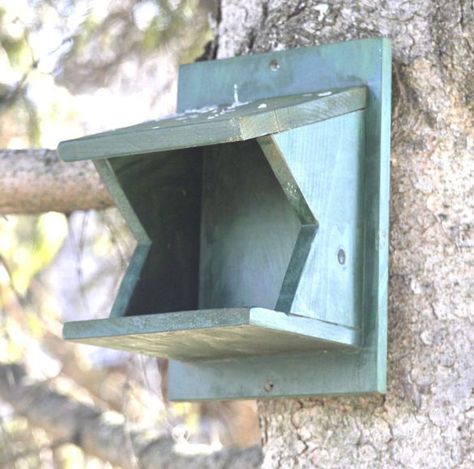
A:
[36,181]
[300,71]
[326,161]
[212,334]
[224,123]
[105,434]
[248,230]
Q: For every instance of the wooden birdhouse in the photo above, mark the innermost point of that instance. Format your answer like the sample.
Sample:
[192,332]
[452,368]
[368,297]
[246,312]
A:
[261,216]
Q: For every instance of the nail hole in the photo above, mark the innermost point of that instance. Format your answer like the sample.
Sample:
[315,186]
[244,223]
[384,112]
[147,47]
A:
[268,386]
[274,65]
[341,256]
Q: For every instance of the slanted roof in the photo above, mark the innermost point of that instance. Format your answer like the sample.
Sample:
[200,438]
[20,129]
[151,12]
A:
[216,124]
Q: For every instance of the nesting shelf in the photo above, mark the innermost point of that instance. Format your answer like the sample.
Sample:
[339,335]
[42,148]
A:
[260,213]
[210,334]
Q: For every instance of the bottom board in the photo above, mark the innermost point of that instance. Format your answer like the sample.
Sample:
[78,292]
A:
[212,334]
[327,372]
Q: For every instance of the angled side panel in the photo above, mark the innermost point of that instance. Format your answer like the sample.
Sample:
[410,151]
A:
[326,160]
[159,196]
[109,177]
[132,273]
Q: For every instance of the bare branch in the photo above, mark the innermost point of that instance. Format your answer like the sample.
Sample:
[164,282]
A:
[36,181]
[104,434]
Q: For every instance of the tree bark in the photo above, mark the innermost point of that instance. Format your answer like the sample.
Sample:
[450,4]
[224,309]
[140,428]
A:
[36,181]
[105,434]
[427,417]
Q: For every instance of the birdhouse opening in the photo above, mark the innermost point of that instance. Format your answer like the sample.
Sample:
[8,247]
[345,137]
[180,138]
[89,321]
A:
[221,227]
[223,203]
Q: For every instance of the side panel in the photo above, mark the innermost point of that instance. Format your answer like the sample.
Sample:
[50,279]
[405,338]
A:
[165,193]
[326,159]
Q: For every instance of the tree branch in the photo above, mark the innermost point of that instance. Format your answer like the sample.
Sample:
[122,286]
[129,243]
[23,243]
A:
[36,181]
[105,435]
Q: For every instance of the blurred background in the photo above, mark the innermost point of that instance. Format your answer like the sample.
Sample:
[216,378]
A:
[69,68]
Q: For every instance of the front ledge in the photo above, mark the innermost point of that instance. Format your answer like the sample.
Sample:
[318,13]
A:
[213,333]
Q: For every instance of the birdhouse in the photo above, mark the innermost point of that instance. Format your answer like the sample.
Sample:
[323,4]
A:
[260,212]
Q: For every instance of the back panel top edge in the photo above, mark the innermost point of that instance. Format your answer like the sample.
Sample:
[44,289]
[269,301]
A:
[276,73]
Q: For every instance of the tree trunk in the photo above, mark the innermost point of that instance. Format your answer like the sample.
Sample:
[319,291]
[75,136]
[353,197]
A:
[427,417]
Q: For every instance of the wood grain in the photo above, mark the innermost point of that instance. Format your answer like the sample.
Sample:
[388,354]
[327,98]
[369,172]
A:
[226,123]
[211,334]
[239,229]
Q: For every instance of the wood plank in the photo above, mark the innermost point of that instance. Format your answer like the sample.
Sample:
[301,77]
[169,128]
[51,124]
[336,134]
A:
[228,123]
[211,334]
[248,229]
[160,198]
[325,160]
[327,372]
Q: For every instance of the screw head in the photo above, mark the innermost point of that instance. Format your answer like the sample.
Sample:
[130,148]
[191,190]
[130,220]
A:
[268,386]
[341,256]
[274,65]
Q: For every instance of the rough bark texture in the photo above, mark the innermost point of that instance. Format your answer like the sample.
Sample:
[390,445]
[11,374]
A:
[427,417]
[106,435]
[36,181]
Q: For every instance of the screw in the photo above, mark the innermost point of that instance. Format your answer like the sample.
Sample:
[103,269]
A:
[341,256]
[274,65]
[268,386]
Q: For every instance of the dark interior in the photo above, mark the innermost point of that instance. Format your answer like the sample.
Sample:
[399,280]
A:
[222,229]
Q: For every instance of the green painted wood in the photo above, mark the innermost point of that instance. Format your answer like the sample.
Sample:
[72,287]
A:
[248,229]
[324,372]
[366,62]
[132,273]
[130,280]
[325,161]
[108,176]
[211,334]
[377,224]
[160,197]
[227,123]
